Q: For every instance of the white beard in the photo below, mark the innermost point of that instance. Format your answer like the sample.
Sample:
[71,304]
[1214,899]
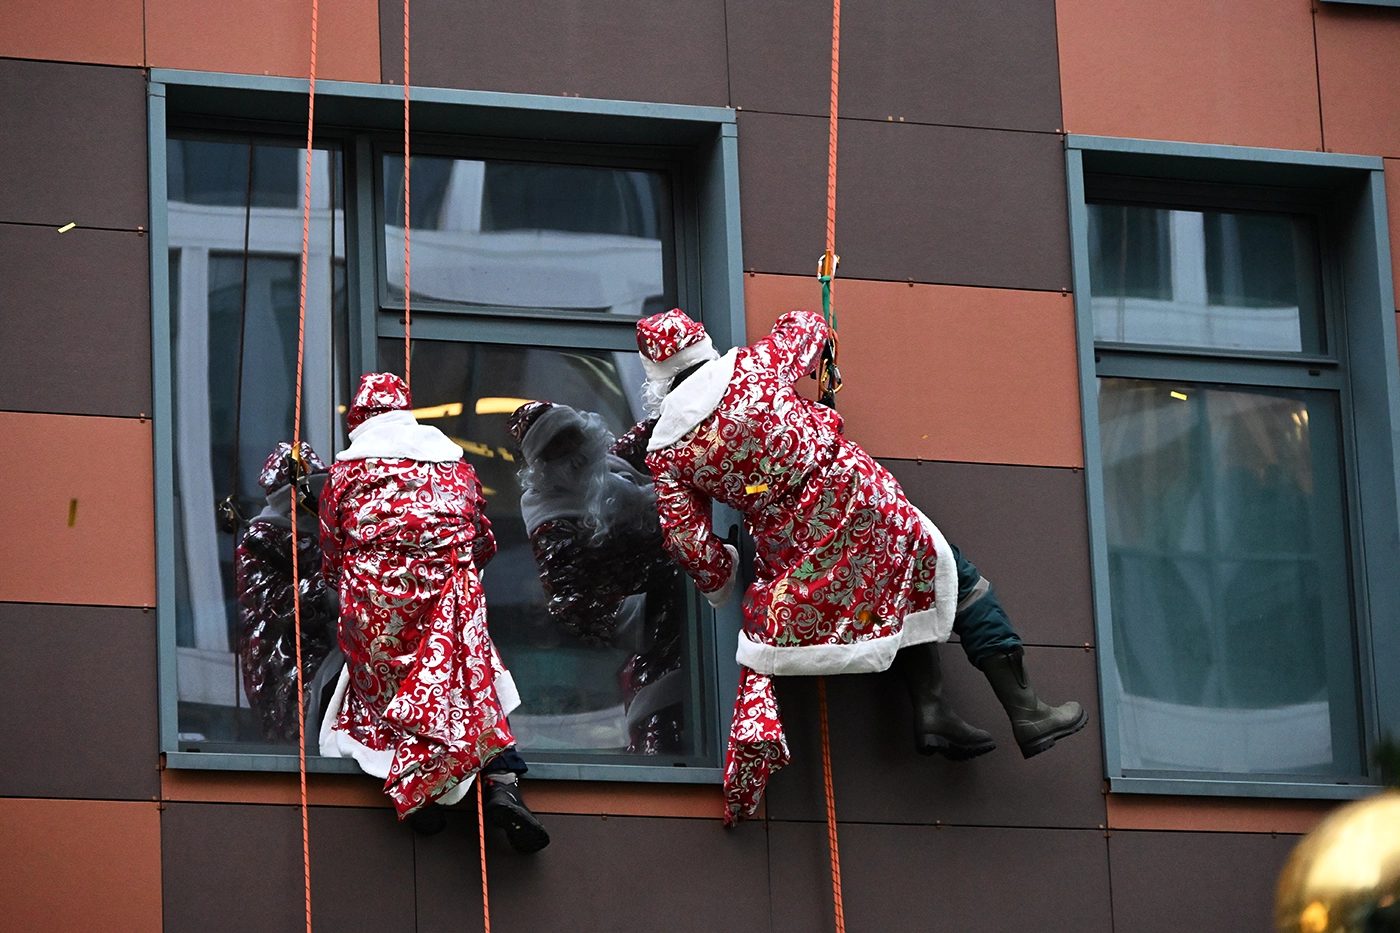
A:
[654,392]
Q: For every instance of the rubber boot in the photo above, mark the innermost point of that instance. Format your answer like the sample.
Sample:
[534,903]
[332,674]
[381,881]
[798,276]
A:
[1036,725]
[937,729]
[504,808]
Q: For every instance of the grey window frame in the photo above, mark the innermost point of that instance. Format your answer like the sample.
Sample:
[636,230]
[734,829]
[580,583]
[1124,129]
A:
[1359,303]
[358,114]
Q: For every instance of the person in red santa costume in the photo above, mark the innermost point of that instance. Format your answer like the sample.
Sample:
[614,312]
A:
[849,577]
[423,699]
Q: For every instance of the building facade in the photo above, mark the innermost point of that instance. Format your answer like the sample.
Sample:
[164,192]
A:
[1116,306]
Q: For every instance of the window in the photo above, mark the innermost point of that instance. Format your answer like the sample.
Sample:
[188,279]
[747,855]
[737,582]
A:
[542,229]
[1236,339]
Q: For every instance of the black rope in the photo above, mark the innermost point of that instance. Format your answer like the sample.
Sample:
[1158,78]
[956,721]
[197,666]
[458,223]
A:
[230,516]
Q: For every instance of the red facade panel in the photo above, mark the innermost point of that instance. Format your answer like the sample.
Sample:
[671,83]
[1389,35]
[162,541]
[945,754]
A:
[77,532]
[106,32]
[1192,70]
[1358,56]
[1392,202]
[944,372]
[80,865]
[265,37]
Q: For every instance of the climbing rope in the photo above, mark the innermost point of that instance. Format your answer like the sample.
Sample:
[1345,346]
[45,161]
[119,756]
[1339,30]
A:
[830,811]
[829,383]
[407,220]
[481,837]
[298,469]
[828,375]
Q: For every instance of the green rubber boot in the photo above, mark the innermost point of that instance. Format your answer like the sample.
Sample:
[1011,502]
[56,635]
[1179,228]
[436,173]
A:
[1036,725]
[937,729]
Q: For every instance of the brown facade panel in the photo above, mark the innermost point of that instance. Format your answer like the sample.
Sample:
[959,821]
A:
[75,302]
[946,372]
[1212,882]
[1358,55]
[941,204]
[951,878]
[962,63]
[879,778]
[74,145]
[328,790]
[80,865]
[78,684]
[77,534]
[1192,70]
[104,32]
[669,51]
[620,874]
[265,37]
[1216,814]
[1026,529]
[238,867]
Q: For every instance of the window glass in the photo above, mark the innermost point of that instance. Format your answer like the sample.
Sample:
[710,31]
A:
[1234,648]
[531,235]
[227,305]
[612,675]
[1206,279]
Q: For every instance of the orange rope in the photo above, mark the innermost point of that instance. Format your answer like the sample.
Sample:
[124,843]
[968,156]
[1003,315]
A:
[407,315]
[297,466]
[831,132]
[481,835]
[830,811]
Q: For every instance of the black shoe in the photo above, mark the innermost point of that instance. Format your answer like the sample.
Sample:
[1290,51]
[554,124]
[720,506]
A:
[504,809]
[1036,725]
[937,729]
[429,819]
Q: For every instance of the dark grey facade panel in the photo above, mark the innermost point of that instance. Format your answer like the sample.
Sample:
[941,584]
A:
[1171,881]
[960,62]
[963,63]
[667,52]
[74,144]
[935,204]
[1026,530]
[78,686]
[782,192]
[621,874]
[953,878]
[75,302]
[879,778]
[236,867]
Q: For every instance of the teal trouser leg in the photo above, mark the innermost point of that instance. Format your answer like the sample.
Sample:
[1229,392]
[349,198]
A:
[980,623]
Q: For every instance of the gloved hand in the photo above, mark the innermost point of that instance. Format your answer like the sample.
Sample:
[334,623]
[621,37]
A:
[721,596]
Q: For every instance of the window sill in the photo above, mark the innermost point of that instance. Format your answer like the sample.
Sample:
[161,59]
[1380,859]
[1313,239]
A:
[1205,787]
[543,770]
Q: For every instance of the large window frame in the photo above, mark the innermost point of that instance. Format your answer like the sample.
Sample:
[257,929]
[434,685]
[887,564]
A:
[1348,193]
[698,143]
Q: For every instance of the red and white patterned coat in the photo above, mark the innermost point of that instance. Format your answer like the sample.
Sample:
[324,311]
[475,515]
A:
[404,539]
[847,571]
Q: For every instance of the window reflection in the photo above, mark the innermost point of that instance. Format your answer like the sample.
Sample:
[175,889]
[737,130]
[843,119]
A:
[532,235]
[619,681]
[1228,568]
[1209,279]
[227,304]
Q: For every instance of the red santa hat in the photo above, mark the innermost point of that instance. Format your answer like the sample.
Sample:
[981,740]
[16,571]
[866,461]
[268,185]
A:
[378,393]
[671,343]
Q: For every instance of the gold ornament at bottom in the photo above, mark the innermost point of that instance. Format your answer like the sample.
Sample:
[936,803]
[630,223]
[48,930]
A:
[1344,877]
